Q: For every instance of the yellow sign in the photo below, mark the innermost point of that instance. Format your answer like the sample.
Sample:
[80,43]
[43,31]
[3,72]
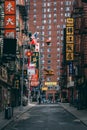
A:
[69,47]
[51,83]
[44,88]
[69,22]
[69,56]
[69,30]
[69,39]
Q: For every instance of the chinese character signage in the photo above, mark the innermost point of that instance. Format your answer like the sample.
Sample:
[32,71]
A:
[69,39]
[10,18]
[35,59]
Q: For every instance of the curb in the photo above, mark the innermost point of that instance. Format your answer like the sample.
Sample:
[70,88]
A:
[73,114]
[14,118]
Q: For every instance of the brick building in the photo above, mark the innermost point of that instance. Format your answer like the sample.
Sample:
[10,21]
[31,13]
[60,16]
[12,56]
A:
[48,17]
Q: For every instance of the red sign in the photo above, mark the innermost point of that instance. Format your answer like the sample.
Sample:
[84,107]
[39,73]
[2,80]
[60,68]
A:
[10,21]
[10,33]
[10,18]
[10,7]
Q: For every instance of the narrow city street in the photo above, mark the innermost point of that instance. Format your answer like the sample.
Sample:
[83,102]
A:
[47,117]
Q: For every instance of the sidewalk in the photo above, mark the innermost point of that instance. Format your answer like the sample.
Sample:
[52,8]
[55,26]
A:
[17,112]
[80,114]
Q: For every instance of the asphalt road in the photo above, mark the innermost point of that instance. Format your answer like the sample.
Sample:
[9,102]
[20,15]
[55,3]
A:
[47,117]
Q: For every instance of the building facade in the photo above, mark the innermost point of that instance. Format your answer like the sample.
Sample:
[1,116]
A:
[49,18]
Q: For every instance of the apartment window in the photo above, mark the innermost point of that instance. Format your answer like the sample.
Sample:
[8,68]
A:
[48,10]
[42,61]
[49,61]
[42,38]
[34,4]
[55,21]
[44,21]
[44,10]
[58,26]
[42,50]
[58,55]
[44,15]
[55,3]
[61,9]
[49,32]
[34,21]
[61,20]
[49,15]
[48,67]
[61,14]
[34,16]
[49,50]
[48,4]
[41,28]
[34,10]
[55,15]
[61,3]
[68,3]
[49,21]
[58,32]
[49,55]
[58,49]
[49,27]
[48,79]
[55,9]
[67,9]
[67,14]
[42,44]
[44,4]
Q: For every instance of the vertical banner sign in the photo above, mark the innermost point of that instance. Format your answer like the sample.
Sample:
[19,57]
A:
[10,18]
[69,39]
[35,59]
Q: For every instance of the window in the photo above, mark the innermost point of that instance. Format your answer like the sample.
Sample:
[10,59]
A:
[61,9]
[34,16]
[44,15]
[61,20]
[44,4]
[49,50]
[49,55]
[55,15]
[34,21]
[48,10]
[49,61]
[49,32]
[61,3]
[49,21]
[58,26]
[61,14]
[44,21]
[49,15]
[58,32]
[44,10]
[58,49]
[34,10]
[48,79]
[48,67]
[67,9]
[55,9]
[54,20]
[55,3]
[42,61]
[68,3]
[49,27]
[34,4]
[48,4]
